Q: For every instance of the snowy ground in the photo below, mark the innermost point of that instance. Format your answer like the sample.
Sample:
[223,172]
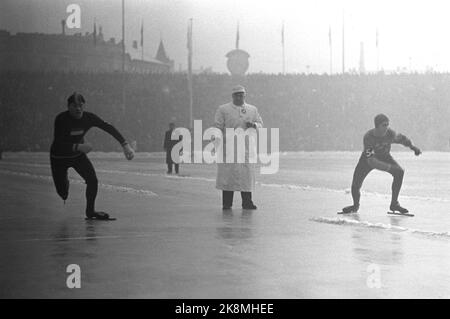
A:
[172,240]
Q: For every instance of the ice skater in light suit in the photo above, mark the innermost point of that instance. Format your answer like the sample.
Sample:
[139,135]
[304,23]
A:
[233,177]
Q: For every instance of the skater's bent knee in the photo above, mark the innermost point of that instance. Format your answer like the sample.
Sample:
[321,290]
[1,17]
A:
[397,170]
[92,181]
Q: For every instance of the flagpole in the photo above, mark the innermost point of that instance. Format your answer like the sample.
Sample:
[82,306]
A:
[63,24]
[378,52]
[142,39]
[343,41]
[191,98]
[123,36]
[123,55]
[283,49]
[95,32]
[237,36]
[331,51]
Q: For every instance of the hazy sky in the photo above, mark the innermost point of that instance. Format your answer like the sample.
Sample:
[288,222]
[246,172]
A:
[412,34]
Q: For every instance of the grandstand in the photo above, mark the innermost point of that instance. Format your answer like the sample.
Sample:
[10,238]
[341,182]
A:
[313,112]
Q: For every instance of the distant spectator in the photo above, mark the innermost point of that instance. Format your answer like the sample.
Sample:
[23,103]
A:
[168,146]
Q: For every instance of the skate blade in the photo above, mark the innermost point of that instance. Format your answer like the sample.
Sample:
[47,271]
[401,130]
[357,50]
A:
[99,219]
[400,214]
[342,213]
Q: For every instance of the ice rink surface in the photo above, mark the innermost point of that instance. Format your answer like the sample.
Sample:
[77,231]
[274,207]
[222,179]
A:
[172,239]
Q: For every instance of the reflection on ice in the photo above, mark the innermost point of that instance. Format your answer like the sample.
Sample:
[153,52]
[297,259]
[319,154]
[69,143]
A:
[235,227]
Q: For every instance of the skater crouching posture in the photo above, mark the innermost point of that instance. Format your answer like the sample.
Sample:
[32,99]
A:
[69,150]
[376,155]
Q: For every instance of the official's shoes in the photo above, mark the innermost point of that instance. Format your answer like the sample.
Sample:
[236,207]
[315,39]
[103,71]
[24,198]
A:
[249,206]
[97,215]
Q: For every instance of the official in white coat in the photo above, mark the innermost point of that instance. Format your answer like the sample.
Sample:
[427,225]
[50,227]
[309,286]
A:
[235,176]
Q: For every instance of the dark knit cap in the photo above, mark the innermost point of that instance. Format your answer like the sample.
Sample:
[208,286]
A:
[380,118]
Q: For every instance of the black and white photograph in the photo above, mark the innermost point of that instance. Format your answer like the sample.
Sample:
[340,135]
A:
[224,150]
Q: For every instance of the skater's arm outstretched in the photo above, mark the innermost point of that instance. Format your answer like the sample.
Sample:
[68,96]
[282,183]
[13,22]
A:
[402,139]
[105,126]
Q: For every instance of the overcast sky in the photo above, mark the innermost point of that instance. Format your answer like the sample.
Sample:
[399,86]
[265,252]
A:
[412,34]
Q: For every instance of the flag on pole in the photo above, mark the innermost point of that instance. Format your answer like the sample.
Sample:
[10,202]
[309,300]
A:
[95,34]
[282,48]
[329,36]
[63,24]
[142,33]
[376,38]
[237,36]
[343,41]
[189,76]
[331,49]
[189,37]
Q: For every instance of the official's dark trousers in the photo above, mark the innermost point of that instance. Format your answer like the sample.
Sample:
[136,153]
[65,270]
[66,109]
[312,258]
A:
[169,168]
[227,198]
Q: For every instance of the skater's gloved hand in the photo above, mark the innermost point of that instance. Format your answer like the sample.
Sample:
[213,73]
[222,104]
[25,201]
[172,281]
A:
[416,150]
[128,151]
[84,148]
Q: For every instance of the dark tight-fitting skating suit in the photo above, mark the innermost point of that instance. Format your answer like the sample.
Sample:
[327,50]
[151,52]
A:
[68,133]
[376,155]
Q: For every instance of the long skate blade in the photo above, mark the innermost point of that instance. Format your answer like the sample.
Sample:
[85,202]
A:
[400,214]
[343,213]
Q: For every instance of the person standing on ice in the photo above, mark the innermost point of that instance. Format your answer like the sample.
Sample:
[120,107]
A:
[69,150]
[168,146]
[376,155]
[235,176]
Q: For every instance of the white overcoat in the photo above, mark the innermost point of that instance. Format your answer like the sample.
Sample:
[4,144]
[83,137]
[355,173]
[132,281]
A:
[236,176]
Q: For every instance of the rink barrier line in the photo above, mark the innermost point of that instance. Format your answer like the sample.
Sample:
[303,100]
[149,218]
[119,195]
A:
[205,179]
[306,188]
[116,188]
[351,222]
[80,238]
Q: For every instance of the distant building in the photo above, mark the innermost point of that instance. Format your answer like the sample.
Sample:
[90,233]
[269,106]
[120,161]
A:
[161,55]
[72,53]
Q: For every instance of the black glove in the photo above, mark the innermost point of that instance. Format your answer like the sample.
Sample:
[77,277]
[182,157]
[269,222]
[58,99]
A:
[250,124]
[416,150]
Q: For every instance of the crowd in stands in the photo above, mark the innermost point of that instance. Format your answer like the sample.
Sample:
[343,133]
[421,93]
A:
[313,112]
